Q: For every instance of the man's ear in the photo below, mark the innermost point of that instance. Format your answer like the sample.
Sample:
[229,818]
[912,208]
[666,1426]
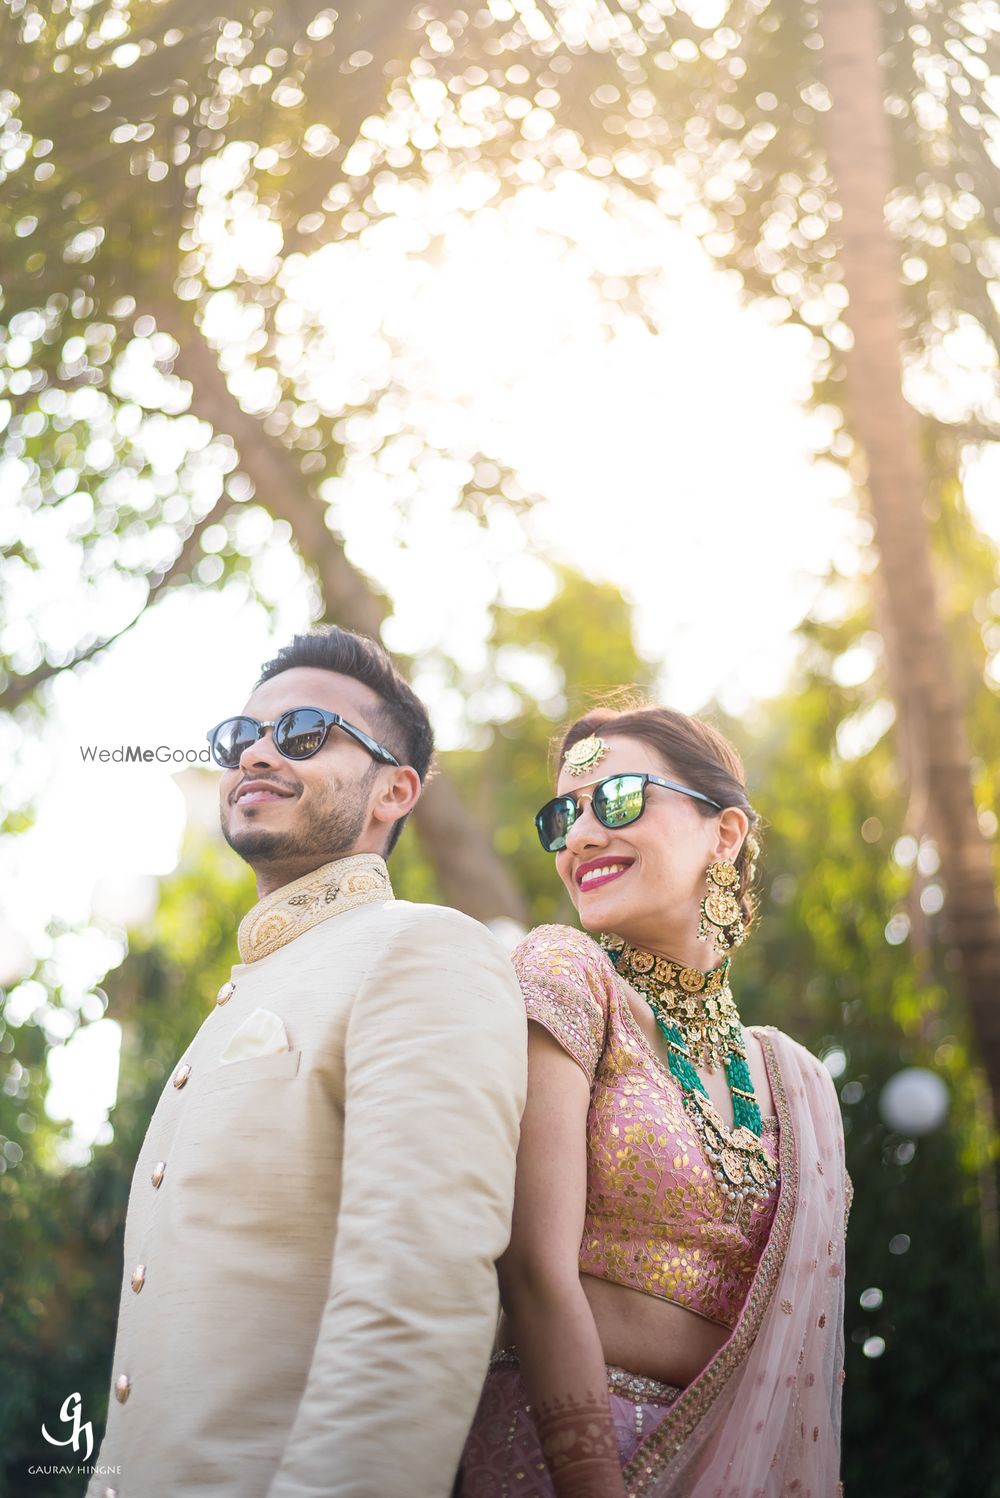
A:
[397,795]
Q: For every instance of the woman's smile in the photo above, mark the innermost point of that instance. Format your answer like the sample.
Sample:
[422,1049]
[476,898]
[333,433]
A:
[598,871]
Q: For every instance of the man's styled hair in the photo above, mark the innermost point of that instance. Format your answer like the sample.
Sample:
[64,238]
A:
[400,722]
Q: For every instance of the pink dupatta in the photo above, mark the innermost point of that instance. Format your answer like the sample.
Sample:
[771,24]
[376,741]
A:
[762,1419]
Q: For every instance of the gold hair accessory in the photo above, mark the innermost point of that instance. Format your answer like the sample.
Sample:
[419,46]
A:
[584,754]
[721,917]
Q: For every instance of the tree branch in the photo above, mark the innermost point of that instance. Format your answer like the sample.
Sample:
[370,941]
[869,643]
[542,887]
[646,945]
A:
[282,488]
[21,687]
[976,430]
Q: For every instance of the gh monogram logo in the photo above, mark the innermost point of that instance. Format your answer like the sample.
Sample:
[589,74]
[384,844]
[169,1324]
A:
[71,1413]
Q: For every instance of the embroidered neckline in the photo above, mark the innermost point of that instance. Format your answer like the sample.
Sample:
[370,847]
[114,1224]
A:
[295,908]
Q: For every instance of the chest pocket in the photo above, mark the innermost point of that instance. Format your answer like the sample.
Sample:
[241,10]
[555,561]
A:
[242,1124]
[255,1069]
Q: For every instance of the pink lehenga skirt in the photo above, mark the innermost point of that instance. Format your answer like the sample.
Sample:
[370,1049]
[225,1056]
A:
[502,1456]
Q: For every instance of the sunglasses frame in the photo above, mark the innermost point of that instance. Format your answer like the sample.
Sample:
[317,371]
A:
[330,720]
[642,777]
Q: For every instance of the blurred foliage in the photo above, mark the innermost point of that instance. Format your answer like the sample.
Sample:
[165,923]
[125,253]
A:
[845,960]
[170,171]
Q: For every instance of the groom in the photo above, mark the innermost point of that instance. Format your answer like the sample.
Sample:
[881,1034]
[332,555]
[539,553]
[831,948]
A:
[309,1296]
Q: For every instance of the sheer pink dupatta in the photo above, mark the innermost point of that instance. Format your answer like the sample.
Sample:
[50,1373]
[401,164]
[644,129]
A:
[763,1418]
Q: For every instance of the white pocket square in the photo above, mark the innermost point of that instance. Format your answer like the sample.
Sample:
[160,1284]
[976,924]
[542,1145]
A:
[261,1034]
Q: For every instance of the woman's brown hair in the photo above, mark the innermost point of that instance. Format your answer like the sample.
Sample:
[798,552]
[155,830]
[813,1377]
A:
[698,754]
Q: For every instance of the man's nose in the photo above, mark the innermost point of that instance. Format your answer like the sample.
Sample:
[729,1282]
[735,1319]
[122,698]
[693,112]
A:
[262,755]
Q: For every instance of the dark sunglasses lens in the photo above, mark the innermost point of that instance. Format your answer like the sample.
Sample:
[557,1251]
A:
[299,733]
[231,739]
[554,821]
[618,801]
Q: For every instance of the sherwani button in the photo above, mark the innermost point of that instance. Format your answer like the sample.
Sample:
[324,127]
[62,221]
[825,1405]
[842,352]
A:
[123,1387]
[158,1170]
[181,1075]
[225,993]
[138,1277]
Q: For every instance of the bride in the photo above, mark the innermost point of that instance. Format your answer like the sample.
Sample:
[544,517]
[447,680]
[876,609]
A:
[673,1289]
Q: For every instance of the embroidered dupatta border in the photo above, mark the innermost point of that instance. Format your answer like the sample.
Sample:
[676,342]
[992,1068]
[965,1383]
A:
[663,1444]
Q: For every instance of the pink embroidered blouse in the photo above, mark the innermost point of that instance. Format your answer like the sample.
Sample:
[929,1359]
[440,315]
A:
[656,1219]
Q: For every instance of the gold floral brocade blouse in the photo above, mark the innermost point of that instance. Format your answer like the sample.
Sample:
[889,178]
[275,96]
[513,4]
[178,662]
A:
[656,1219]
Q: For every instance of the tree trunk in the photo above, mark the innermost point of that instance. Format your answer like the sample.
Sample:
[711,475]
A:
[930,713]
[471,875]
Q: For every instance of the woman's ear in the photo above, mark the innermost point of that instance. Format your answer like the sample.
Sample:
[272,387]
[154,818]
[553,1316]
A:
[734,824]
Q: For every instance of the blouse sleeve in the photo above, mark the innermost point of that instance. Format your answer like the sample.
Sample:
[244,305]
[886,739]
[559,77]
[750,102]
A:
[559,971]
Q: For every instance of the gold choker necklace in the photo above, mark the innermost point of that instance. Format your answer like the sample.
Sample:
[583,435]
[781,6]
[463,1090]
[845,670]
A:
[701,1004]
[697,1017]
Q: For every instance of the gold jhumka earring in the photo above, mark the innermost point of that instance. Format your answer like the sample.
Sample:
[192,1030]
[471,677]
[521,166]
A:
[721,919]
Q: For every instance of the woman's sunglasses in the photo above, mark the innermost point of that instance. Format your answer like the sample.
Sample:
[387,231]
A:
[615,802]
[297,734]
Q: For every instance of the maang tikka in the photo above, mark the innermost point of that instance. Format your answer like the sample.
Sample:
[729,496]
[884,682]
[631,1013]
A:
[585,754]
[721,917]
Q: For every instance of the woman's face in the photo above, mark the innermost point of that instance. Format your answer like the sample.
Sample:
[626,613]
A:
[646,881]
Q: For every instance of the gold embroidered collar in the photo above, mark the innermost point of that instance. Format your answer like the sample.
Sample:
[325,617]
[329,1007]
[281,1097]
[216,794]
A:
[295,908]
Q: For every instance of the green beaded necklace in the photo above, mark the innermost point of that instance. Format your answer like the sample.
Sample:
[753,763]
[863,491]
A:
[676,993]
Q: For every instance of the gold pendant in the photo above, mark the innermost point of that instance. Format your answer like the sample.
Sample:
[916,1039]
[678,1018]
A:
[722,909]
[736,1156]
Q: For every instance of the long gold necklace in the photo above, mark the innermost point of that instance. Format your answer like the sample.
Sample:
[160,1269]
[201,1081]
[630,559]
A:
[696,1014]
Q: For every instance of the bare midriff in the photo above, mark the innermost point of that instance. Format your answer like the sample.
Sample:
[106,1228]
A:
[644,1334]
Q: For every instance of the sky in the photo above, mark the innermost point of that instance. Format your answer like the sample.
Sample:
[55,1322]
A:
[674,457]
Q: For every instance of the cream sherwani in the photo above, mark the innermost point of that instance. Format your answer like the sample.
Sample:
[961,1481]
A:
[309,1296]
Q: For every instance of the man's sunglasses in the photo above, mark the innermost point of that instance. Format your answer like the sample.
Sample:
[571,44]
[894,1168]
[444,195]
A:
[297,734]
[616,802]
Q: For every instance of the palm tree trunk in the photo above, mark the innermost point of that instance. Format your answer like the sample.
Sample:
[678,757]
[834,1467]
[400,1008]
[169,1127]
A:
[936,748]
[469,871]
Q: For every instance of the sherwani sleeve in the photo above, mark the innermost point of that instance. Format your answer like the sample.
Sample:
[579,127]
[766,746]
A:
[435,1076]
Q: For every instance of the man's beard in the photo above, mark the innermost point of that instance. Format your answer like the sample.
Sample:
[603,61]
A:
[329,831]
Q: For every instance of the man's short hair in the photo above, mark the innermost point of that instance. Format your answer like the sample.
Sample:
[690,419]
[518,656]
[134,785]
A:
[400,722]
